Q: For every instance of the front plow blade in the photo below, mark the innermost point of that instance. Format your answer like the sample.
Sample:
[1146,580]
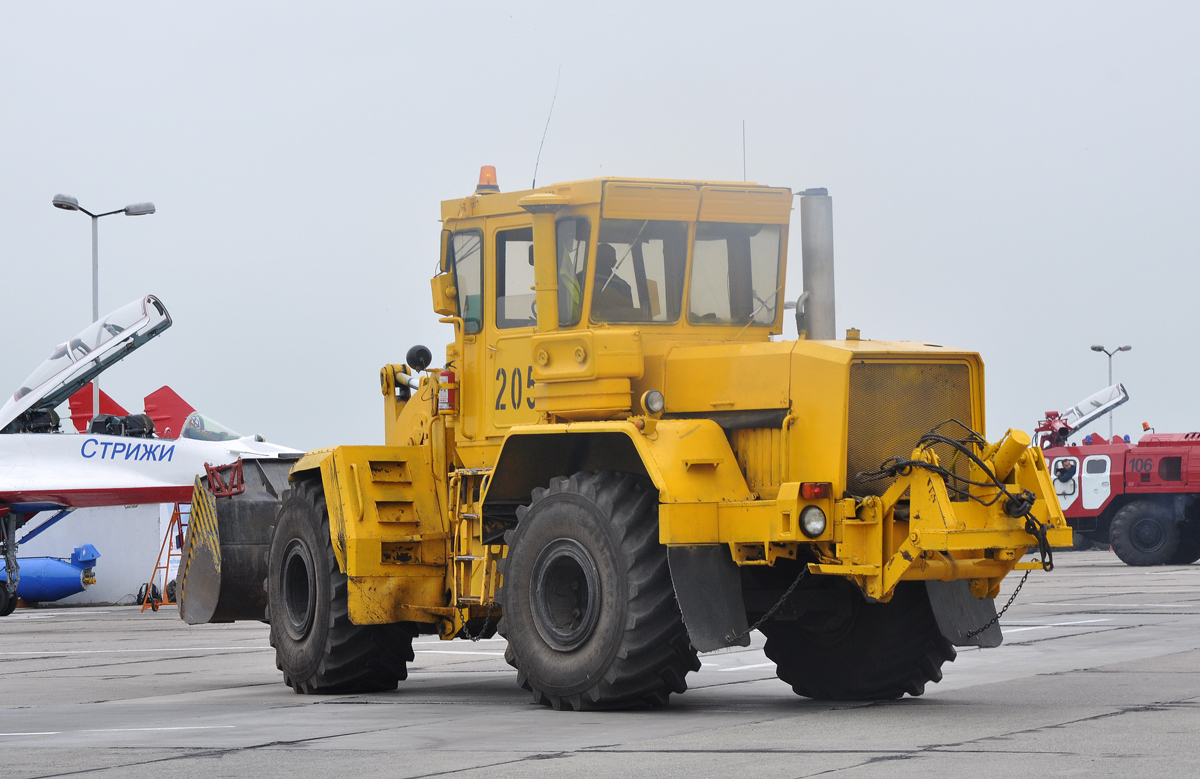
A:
[228,544]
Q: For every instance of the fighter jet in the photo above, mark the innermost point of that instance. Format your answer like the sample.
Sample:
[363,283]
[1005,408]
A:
[117,459]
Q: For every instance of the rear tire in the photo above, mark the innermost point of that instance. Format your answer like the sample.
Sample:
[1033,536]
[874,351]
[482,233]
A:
[316,645]
[1145,533]
[589,608]
[1189,544]
[879,651]
[1080,542]
[7,602]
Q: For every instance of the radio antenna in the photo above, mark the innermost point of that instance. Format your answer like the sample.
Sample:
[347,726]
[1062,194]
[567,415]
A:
[537,161]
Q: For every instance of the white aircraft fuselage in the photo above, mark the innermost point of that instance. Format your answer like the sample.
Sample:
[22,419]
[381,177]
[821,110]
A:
[47,471]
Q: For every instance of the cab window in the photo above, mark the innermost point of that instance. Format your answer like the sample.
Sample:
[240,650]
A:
[735,274]
[1170,468]
[572,238]
[514,278]
[467,249]
[640,266]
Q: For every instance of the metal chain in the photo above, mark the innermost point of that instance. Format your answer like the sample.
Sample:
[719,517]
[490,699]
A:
[1036,529]
[732,637]
[1000,613]
[483,629]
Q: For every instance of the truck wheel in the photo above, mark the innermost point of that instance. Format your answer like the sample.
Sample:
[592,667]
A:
[589,610]
[1145,533]
[877,652]
[1189,544]
[316,646]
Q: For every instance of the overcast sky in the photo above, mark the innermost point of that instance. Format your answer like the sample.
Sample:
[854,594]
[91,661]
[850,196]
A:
[1019,179]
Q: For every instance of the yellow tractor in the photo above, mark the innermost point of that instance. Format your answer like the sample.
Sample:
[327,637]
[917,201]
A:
[620,463]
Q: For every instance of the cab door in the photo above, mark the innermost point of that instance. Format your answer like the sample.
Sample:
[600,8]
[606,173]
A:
[1067,489]
[508,363]
[1095,480]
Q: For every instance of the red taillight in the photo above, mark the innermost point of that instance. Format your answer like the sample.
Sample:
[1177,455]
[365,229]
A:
[447,394]
[815,490]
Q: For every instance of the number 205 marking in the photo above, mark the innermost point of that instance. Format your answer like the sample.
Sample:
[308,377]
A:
[516,388]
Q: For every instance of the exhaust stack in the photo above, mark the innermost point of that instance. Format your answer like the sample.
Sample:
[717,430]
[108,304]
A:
[816,250]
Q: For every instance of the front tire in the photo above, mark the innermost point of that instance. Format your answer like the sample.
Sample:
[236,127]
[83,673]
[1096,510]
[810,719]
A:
[589,609]
[876,651]
[1145,533]
[316,645]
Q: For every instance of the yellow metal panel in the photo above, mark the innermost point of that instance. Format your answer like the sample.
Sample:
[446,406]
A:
[688,523]
[584,399]
[569,355]
[388,523]
[674,442]
[378,600]
[816,440]
[576,193]
[751,205]
[727,377]
[646,200]
[664,452]
[310,461]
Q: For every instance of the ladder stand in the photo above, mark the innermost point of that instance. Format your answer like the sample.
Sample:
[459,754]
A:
[172,548]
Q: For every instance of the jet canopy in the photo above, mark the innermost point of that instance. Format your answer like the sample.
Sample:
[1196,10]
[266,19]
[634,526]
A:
[76,362]
[1095,406]
[203,428]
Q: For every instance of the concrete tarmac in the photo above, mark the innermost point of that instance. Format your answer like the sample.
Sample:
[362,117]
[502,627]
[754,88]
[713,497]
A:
[1099,675]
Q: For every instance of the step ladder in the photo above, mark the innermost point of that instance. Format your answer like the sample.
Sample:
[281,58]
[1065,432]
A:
[171,549]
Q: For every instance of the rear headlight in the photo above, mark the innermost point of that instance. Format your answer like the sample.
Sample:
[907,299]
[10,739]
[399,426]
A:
[815,490]
[812,521]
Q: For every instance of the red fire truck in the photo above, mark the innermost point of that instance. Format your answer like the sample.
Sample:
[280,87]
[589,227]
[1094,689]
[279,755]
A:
[1140,497]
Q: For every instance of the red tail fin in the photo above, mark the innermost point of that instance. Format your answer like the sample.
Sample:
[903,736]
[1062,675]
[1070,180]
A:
[168,411]
[81,407]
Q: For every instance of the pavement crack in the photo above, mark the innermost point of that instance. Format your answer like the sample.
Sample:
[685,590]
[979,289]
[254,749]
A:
[523,759]
[207,753]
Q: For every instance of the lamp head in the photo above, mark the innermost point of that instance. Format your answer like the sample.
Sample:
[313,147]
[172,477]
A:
[1097,348]
[1124,348]
[139,209]
[65,202]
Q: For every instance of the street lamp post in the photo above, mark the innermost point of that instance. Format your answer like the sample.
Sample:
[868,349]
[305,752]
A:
[68,203]
[1099,348]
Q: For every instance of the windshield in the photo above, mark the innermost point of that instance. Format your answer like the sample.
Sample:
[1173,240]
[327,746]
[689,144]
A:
[640,266]
[78,348]
[735,274]
[203,428]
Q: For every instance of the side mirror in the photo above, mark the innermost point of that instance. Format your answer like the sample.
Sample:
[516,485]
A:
[447,251]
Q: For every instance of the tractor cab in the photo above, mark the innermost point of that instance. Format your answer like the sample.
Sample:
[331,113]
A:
[565,299]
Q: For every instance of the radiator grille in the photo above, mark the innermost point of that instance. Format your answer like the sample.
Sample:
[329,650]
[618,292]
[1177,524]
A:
[758,454]
[894,404]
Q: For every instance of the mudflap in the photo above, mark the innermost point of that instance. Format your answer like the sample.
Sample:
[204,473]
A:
[228,545]
[958,613]
[708,587]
